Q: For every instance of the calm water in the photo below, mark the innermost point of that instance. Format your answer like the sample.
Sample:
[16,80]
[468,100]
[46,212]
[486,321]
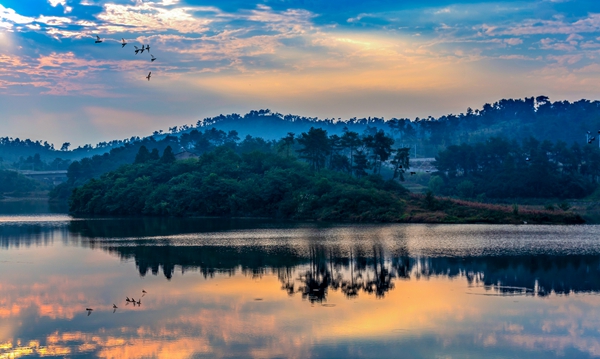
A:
[258,289]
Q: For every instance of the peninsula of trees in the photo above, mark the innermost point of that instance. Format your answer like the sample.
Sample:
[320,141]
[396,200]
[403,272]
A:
[326,181]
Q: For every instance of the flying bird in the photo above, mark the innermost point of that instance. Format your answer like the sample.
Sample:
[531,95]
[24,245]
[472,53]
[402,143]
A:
[123,43]
[142,49]
[148,48]
[127,300]
[136,49]
[115,306]
[89,310]
[149,74]
[98,39]
[143,291]
[153,58]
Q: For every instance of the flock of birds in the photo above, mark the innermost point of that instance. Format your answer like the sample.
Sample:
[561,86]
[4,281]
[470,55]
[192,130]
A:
[137,50]
[127,301]
[593,138]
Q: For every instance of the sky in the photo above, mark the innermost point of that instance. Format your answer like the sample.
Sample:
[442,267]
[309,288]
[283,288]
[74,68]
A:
[328,59]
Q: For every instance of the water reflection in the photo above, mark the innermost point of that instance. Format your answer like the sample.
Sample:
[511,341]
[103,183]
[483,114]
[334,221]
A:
[263,290]
[360,264]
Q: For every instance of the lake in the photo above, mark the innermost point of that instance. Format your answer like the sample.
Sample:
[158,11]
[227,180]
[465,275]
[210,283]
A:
[264,289]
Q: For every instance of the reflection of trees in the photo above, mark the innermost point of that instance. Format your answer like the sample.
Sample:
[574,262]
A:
[371,273]
[312,269]
[324,268]
[381,282]
[351,287]
[208,260]
[539,275]
[17,235]
[317,278]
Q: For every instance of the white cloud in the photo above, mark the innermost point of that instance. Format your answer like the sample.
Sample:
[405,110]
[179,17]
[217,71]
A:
[12,16]
[513,41]
[574,37]
[149,17]
[589,24]
[53,20]
[55,3]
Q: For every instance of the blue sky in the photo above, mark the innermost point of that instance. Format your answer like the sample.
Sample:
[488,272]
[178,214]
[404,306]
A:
[315,58]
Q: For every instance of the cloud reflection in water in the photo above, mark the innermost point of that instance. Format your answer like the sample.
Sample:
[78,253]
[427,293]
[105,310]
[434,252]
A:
[351,291]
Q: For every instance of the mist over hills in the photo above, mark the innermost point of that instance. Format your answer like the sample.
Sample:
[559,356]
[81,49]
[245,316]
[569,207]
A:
[513,119]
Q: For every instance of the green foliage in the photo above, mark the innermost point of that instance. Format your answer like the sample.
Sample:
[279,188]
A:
[81,171]
[224,183]
[435,184]
[168,156]
[315,147]
[143,155]
[431,203]
[465,189]
[507,169]
[401,162]
[36,163]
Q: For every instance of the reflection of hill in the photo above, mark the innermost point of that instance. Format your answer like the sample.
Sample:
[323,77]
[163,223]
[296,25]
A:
[312,273]
[17,235]
[311,262]
[207,259]
[540,274]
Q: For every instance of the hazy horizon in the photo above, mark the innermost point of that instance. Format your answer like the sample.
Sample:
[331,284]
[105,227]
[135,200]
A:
[327,60]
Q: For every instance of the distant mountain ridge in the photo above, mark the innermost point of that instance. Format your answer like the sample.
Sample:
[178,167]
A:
[518,119]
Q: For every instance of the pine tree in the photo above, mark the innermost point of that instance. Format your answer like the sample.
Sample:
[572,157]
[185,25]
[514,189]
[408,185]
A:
[168,156]
[142,156]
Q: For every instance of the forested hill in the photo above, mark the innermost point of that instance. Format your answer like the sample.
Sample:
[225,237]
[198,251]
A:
[516,119]
[40,155]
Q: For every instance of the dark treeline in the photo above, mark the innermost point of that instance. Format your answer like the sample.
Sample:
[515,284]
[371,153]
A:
[499,168]
[81,171]
[16,151]
[353,153]
[35,163]
[272,125]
